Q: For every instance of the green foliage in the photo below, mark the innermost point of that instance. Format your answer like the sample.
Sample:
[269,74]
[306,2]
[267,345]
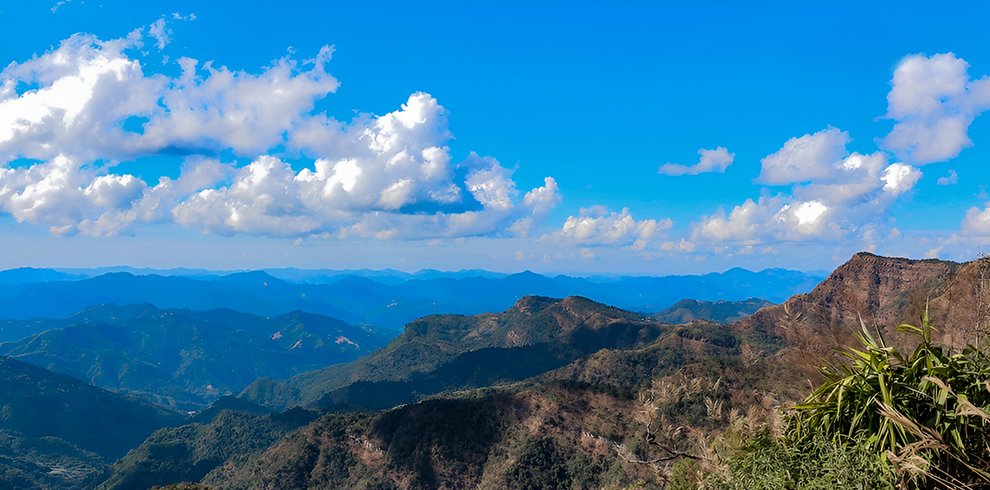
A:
[189,452]
[543,463]
[817,462]
[45,462]
[928,413]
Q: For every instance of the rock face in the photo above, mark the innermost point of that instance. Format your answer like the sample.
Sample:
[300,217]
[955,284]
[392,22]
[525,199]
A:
[884,292]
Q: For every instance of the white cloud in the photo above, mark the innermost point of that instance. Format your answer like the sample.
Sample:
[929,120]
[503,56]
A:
[949,179]
[899,178]
[599,226]
[716,160]
[977,222]
[93,101]
[768,219]
[160,32]
[388,176]
[809,157]
[683,246]
[933,101]
[835,196]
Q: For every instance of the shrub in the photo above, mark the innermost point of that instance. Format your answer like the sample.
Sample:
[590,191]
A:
[927,413]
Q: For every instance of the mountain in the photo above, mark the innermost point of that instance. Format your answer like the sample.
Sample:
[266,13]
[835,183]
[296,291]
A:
[46,462]
[385,299]
[884,292]
[186,359]
[27,275]
[549,436]
[58,432]
[449,352]
[564,428]
[189,452]
[556,430]
[688,310]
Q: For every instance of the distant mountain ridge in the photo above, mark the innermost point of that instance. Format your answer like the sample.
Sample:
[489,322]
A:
[449,352]
[386,299]
[188,359]
[688,310]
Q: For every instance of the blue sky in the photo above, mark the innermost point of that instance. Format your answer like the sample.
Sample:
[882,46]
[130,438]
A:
[595,97]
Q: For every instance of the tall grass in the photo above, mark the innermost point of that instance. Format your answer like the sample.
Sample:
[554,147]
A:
[926,413]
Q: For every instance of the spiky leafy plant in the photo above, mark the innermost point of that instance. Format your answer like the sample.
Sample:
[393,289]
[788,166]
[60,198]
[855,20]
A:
[927,413]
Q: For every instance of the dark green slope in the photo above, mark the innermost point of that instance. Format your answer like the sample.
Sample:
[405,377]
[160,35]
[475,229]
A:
[188,359]
[38,403]
[46,462]
[189,452]
[449,352]
[689,310]
[58,432]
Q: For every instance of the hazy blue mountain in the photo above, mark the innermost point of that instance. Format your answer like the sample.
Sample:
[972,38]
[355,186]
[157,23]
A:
[27,275]
[187,359]
[389,299]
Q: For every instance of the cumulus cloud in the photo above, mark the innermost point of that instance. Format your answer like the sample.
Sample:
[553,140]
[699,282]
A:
[836,195]
[716,160]
[388,176]
[806,158]
[933,101]
[93,101]
[977,222]
[949,179]
[597,226]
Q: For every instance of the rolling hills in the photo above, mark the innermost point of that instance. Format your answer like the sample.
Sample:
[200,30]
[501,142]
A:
[187,359]
[448,352]
[59,432]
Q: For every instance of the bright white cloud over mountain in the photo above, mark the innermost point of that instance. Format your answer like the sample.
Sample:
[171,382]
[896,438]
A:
[598,226]
[88,103]
[836,195]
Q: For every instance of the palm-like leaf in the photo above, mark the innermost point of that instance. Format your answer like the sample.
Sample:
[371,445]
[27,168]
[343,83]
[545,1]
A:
[930,404]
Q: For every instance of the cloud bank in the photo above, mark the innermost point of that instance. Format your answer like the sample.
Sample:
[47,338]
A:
[69,115]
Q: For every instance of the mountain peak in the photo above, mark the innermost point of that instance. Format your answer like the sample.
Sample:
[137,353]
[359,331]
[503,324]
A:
[533,304]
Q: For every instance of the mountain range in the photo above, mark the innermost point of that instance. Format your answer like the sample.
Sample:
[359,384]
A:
[187,359]
[384,299]
[549,393]
[561,426]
